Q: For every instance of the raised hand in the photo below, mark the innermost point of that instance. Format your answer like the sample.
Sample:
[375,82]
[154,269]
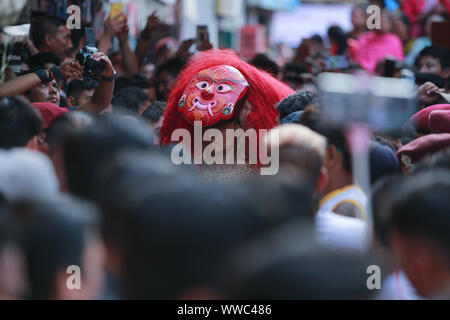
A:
[428,93]
[116,25]
[109,69]
[71,69]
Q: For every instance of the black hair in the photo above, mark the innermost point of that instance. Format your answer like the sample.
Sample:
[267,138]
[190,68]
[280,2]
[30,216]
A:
[173,66]
[340,37]
[19,122]
[383,159]
[317,38]
[292,72]
[422,208]
[262,62]
[440,53]
[440,159]
[76,87]
[336,137]
[141,82]
[288,264]
[384,193]
[86,151]
[155,111]
[296,102]
[171,237]
[175,245]
[404,18]
[310,116]
[128,100]
[44,25]
[421,78]
[40,59]
[65,125]
[76,35]
[121,83]
[53,236]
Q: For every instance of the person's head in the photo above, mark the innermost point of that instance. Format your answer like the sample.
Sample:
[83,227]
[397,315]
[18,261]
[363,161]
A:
[78,92]
[435,60]
[58,131]
[175,248]
[45,92]
[337,160]
[358,18]
[411,153]
[382,158]
[87,150]
[116,59]
[63,251]
[384,192]
[401,27]
[315,45]
[296,102]
[300,155]
[164,49]
[130,100]
[78,39]
[293,75]
[50,34]
[49,113]
[420,239]
[262,61]
[46,60]
[27,175]
[385,23]
[440,159]
[20,123]
[165,76]
[338,38]
[122,82]
[154,114]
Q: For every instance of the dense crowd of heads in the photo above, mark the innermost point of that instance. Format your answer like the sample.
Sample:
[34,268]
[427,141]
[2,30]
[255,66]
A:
[87,179]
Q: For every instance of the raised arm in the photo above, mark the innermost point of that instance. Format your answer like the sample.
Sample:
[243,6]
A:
[22,84]
[143,44]
[129,61]
[112,28]
[103,93]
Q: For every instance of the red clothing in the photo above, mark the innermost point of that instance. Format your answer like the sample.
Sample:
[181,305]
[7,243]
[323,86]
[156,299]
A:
[412,9]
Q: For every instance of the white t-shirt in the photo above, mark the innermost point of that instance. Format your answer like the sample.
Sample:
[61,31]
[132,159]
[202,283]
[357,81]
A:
[339,232]
[350,194]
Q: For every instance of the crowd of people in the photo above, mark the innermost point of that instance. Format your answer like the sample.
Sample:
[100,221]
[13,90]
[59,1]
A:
[87,176]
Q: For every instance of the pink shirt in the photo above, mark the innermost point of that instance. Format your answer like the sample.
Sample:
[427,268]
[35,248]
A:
[373,47]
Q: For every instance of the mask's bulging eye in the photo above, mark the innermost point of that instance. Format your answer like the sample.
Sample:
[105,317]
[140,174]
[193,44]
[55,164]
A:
[223,88]
[202,85]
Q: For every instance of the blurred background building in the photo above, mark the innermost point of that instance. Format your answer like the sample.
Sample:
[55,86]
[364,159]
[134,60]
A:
[228,21]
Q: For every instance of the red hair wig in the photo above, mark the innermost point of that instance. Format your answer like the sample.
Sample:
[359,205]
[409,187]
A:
[264,93]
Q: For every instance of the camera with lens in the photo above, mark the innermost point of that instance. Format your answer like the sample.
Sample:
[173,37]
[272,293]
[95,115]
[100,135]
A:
[91,67]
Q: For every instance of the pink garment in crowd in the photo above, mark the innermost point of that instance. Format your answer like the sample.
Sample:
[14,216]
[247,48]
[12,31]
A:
[372,47]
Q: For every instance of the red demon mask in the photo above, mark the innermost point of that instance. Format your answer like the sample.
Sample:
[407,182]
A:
[213,95]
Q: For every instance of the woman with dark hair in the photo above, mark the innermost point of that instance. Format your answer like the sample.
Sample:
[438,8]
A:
[338,40]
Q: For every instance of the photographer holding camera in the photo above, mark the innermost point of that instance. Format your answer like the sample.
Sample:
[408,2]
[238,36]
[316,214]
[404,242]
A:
[42,85]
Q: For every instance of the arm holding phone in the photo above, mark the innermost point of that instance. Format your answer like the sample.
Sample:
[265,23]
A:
[117,25]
